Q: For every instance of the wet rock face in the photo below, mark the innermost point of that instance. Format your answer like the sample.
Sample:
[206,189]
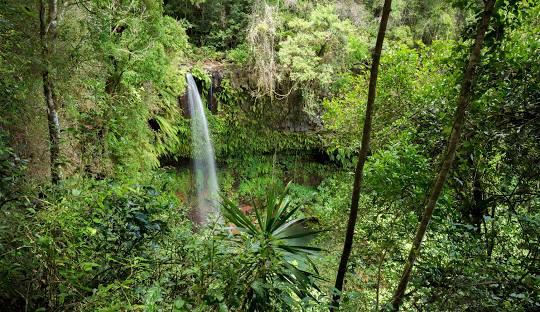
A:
[215,87]
[286,113]
[183,104]
[211,101]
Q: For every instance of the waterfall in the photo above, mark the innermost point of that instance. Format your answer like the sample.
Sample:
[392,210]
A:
[204,164]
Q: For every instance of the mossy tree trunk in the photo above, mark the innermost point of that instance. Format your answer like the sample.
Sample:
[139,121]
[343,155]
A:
[438,184]
[48,22]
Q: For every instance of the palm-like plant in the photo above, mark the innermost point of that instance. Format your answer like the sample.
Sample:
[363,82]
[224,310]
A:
[276,256]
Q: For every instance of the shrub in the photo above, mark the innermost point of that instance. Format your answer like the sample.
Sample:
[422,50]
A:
[277,270]
[66,242]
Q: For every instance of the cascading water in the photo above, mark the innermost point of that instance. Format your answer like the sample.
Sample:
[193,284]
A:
[203,159]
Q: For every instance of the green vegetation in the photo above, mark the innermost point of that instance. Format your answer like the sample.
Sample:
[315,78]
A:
[96,187]
[277,263]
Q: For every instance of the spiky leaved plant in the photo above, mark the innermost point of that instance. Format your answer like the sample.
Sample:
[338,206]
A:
[275,256]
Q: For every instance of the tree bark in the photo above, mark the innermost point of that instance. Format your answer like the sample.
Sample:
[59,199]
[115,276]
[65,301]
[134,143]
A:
[47,31]
[379,277]
[463,103]
[362,156]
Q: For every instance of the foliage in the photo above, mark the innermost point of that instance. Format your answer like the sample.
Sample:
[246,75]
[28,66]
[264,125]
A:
[76,236]
[412,83]
[314,50]
[315,46]
[12,169]
[238,55]
[290,79]
[217,23]
[142,54]
[276,257]
[486,172]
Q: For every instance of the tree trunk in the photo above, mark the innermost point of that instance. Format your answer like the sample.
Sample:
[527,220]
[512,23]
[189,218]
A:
[463,103]
[47,31]
[379,277]
[478,206]
[362,156]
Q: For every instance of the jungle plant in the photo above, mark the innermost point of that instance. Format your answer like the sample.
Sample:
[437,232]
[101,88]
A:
[313,51]
[277,269]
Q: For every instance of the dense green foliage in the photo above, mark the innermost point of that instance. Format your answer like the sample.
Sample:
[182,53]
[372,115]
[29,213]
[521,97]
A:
[290,81]
[278,263]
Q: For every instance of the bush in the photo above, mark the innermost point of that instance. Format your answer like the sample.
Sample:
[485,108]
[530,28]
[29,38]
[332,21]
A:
[277,271]
[67,242]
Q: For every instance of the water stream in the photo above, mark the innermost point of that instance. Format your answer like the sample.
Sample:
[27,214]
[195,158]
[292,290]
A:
[204,164]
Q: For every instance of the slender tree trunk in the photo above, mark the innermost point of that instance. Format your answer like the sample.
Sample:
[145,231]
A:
[493,235]
[379,277]
[463,102]
[362,156]
[477,208]
[47,31]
